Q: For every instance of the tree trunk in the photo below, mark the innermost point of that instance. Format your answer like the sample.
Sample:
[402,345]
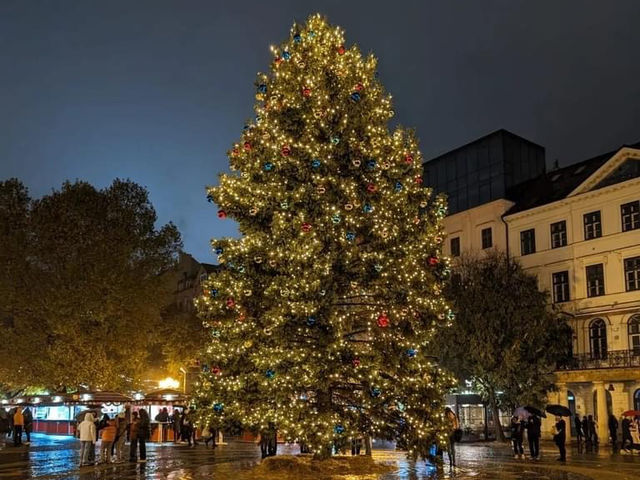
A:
[367,445]
[324,453]
[496,420]
[323,398]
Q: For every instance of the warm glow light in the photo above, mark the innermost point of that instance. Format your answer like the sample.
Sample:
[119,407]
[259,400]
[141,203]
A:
[169,383]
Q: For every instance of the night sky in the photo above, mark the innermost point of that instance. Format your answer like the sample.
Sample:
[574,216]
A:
[157,91]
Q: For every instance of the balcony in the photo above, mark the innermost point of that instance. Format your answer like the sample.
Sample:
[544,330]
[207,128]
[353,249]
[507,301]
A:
[612,359]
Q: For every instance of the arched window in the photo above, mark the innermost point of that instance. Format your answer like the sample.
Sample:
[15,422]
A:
[633,328]
[598,339]
[636,399]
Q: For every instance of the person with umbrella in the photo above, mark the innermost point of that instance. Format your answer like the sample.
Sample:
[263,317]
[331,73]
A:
[533,431]
[516,437]
[613,431]
[626,434]
[560,438]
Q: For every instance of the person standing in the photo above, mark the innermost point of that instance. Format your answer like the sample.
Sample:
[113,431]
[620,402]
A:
[593,430]
[18,423]
[177,425]
[4,422]
[453,425]
[133,437]
[121,436]
[516,437]
[28,424]
[579,434]
[560,438]
[533,435]
[87,431]
[613,431]
[144,429]
[626,434]
[585,431]
[108,437]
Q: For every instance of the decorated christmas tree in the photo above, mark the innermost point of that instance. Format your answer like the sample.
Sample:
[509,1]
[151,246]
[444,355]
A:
[324,314]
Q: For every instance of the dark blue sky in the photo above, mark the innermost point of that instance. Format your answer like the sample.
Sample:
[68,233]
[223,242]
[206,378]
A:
[157,91]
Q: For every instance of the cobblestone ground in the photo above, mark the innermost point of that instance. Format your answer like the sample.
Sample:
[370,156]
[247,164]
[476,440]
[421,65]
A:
[51,457]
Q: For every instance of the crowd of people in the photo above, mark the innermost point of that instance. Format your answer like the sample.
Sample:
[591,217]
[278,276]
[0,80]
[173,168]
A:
[16,422]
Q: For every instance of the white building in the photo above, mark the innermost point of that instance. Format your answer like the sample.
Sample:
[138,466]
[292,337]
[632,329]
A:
[578,230]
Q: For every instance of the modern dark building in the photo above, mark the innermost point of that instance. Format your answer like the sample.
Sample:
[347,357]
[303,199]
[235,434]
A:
[484,169]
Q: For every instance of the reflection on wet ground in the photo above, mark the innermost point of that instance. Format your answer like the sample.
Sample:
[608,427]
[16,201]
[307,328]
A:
[56,457]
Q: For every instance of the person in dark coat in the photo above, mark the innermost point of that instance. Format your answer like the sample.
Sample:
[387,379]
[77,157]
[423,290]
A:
[134,427]
[177,425]
[578,426]
[626,434]
[533,434]
[516,437]
[560,438]
[593,430]
[613,431]
[163,416]
[28,424]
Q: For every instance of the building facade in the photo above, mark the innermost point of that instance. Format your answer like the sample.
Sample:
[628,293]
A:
[578,230]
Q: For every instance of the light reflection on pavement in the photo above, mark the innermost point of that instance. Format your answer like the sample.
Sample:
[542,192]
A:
[57,457]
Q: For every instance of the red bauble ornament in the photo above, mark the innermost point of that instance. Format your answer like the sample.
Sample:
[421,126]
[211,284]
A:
[247,146]
[433,261]
[306,227]
[306,92]
[216,370]
[222,214]
[408,158]
[235,151]
[371,188]
[278,61]
[383,320]
[286,151]
[341,50]
[231,302]
[242,317]
[356,362]
[418,180]
[359,87]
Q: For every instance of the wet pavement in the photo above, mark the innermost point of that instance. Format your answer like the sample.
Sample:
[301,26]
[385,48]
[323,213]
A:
[56,457]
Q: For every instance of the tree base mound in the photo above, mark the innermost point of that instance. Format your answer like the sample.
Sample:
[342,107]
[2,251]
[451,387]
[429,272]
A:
[305,466]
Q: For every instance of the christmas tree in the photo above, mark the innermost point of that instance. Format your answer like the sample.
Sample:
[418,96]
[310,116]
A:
[322,318]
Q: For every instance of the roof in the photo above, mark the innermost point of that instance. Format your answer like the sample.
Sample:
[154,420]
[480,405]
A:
[556,184]
[210,267]
[499,132]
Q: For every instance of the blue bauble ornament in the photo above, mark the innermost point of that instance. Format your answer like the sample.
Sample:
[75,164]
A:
[311,321]
[215,333]
[355,97]
[270,374]
[315,163]
[371,164]
[297,38]
[311,34]
[267,167]
[213,292]
[210,198]
[338,429]
[218,407]
[205,368]
[286,55]
[262,88]
[241,268]
[375,392]
[398,187]
[400,406]
[335,140]
[411,352]
[367,208]
[219,250]
[335,218]
[351,236]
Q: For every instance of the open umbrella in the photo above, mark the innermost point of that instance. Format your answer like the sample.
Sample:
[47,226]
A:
[521,412]
[631,413]
[559,410]
[535,411]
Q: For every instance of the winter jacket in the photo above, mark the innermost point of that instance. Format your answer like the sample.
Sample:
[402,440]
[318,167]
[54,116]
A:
[109,432]
[28,420]
[121,426]
[87,429]
[143,428]
[18,418]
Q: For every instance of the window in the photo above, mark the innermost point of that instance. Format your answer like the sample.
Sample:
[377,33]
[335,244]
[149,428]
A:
[561,287]
[595,280]
[487,240]
[634,334]
[559,234]
[632,273]
[203,277]
[528,242]
[455,247]
[592,225]
[598,339]
[630,216]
